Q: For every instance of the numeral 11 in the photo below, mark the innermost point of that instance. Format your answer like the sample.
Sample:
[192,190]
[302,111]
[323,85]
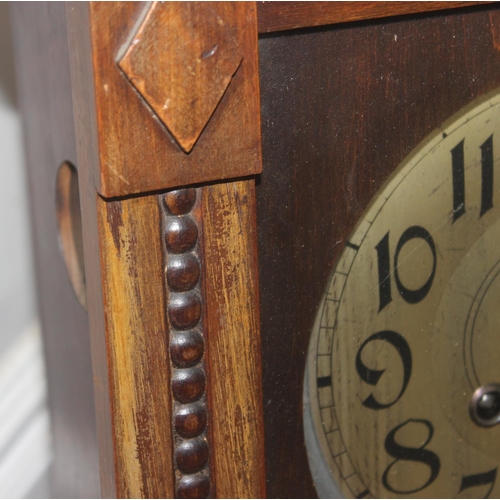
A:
[458,177]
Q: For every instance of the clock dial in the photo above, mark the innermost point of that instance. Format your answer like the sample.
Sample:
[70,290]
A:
[402,376]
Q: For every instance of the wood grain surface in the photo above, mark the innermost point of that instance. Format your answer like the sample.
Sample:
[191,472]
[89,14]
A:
[232,320]
[44,93]
[133,294]
[137,152]
[337,120]
[279,16]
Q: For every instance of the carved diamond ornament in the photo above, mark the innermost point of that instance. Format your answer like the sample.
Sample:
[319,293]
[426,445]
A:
[181,61]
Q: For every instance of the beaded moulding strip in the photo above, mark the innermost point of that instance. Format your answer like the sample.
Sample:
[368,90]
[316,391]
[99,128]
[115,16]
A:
[186,343]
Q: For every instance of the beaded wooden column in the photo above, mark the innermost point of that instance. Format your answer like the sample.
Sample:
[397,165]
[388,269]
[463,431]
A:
[181,214]
[166,96]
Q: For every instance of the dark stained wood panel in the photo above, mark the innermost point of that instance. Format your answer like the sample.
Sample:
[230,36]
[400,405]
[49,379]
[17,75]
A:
[341,108]
[279,16]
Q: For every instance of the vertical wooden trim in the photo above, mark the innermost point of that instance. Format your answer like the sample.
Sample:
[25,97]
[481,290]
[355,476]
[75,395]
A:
[231,283]
[133,291]
[128,290]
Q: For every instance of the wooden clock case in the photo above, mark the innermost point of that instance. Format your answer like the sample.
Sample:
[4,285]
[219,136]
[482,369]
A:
[347,90]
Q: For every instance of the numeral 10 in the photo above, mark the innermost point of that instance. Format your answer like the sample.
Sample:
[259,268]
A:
[384,267]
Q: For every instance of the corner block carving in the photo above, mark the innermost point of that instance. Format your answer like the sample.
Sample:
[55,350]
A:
[181,61]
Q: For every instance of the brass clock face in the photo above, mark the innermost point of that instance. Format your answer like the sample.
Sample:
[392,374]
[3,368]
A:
[404,359]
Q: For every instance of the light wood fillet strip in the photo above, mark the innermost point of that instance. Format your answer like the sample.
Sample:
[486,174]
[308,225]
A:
[133,290]
[232,318]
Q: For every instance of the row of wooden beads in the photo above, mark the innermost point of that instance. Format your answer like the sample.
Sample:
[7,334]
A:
[186,346]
